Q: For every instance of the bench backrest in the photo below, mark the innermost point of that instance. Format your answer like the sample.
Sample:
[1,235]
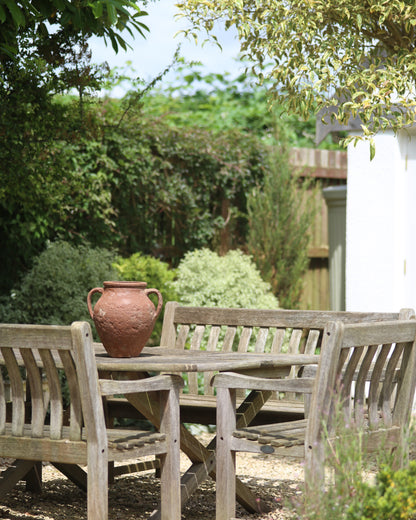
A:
[366,375]
[204,328]
[34,359]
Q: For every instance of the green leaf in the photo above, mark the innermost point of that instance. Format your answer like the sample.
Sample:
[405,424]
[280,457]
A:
[97,9]
[372,149]
[17,13]
[111,13]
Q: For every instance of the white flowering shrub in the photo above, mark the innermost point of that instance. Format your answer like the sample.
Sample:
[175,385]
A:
[208,280]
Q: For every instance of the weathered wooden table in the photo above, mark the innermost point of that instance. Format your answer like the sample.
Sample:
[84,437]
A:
[160,359]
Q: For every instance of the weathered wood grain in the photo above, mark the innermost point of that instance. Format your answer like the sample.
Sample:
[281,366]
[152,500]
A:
[32,360]
[367,368]
[246,339]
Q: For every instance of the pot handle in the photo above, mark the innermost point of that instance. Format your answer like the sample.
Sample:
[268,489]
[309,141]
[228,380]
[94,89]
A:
[93,291]
[159,300]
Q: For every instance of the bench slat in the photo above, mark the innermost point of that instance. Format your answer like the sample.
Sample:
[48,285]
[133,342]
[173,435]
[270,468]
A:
[55,393]
[196,341]
[229,337]
[36,391]
[17,391]
[278,341]
[388,386]
[245,339]
[375,381]
[3,406]
[182,337]
[76,421]
[261,340]
[272,318]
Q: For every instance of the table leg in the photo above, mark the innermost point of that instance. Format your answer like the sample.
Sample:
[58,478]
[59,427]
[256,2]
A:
[14,473]
[34,478]
[203,457]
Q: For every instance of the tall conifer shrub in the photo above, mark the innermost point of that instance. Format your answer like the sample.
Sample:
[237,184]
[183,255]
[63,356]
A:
[280,212]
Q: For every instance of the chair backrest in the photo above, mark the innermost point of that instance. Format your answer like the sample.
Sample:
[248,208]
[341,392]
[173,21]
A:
[366,373]
[259,330]
[35,360]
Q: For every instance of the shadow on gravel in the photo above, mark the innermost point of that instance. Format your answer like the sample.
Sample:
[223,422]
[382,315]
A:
[135,497]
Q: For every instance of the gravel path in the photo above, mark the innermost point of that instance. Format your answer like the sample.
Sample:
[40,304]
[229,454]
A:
[135,497]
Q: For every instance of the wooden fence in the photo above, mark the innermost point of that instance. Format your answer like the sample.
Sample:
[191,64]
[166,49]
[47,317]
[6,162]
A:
[328,168]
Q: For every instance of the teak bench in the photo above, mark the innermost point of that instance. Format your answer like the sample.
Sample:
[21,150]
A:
[33,359]
[364,388]
[205,328]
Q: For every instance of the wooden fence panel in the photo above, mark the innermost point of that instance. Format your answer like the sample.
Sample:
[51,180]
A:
[328,168]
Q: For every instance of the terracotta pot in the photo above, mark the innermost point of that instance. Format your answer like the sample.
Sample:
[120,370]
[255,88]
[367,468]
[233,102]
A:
[124,316]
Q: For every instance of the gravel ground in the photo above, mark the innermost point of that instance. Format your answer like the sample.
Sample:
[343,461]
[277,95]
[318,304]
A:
[136,496]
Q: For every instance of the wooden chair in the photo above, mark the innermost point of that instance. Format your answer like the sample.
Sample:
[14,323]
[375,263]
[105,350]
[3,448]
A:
[33,361]
[367,370]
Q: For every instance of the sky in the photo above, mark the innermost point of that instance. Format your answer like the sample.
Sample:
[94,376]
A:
[150,56]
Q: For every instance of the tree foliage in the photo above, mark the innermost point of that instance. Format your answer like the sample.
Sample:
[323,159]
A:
[52,18]
[219,101]
[43,53]
[169,184]
[346,58]
[48,189]
[149,174]
[139,185]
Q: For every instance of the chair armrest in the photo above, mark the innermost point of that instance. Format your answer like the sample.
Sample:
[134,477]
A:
[233,380]
[149,384]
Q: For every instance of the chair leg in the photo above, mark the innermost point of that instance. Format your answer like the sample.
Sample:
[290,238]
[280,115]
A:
[401,452]
[97,487]
[226,471]
[315,467]
[170,487]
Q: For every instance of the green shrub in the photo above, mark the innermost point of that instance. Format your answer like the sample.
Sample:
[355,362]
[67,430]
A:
[157,275]
[364,485]
[55,290]
[206,279]
[393,497]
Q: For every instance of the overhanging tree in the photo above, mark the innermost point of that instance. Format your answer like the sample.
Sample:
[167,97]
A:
[42,53]
[106,18]
[41,40]
[349,58]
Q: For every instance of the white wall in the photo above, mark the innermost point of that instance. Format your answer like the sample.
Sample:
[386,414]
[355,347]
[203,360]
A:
[381,225]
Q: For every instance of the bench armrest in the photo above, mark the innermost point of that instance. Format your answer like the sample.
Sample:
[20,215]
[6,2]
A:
[233,380]
[149,384]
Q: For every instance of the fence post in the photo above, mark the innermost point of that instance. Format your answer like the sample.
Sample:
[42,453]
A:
[335,197]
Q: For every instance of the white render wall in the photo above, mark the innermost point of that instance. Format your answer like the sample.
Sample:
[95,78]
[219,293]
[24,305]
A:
[381,225]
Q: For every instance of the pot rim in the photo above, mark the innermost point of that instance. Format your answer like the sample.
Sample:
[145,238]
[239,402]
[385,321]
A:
[126,284]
